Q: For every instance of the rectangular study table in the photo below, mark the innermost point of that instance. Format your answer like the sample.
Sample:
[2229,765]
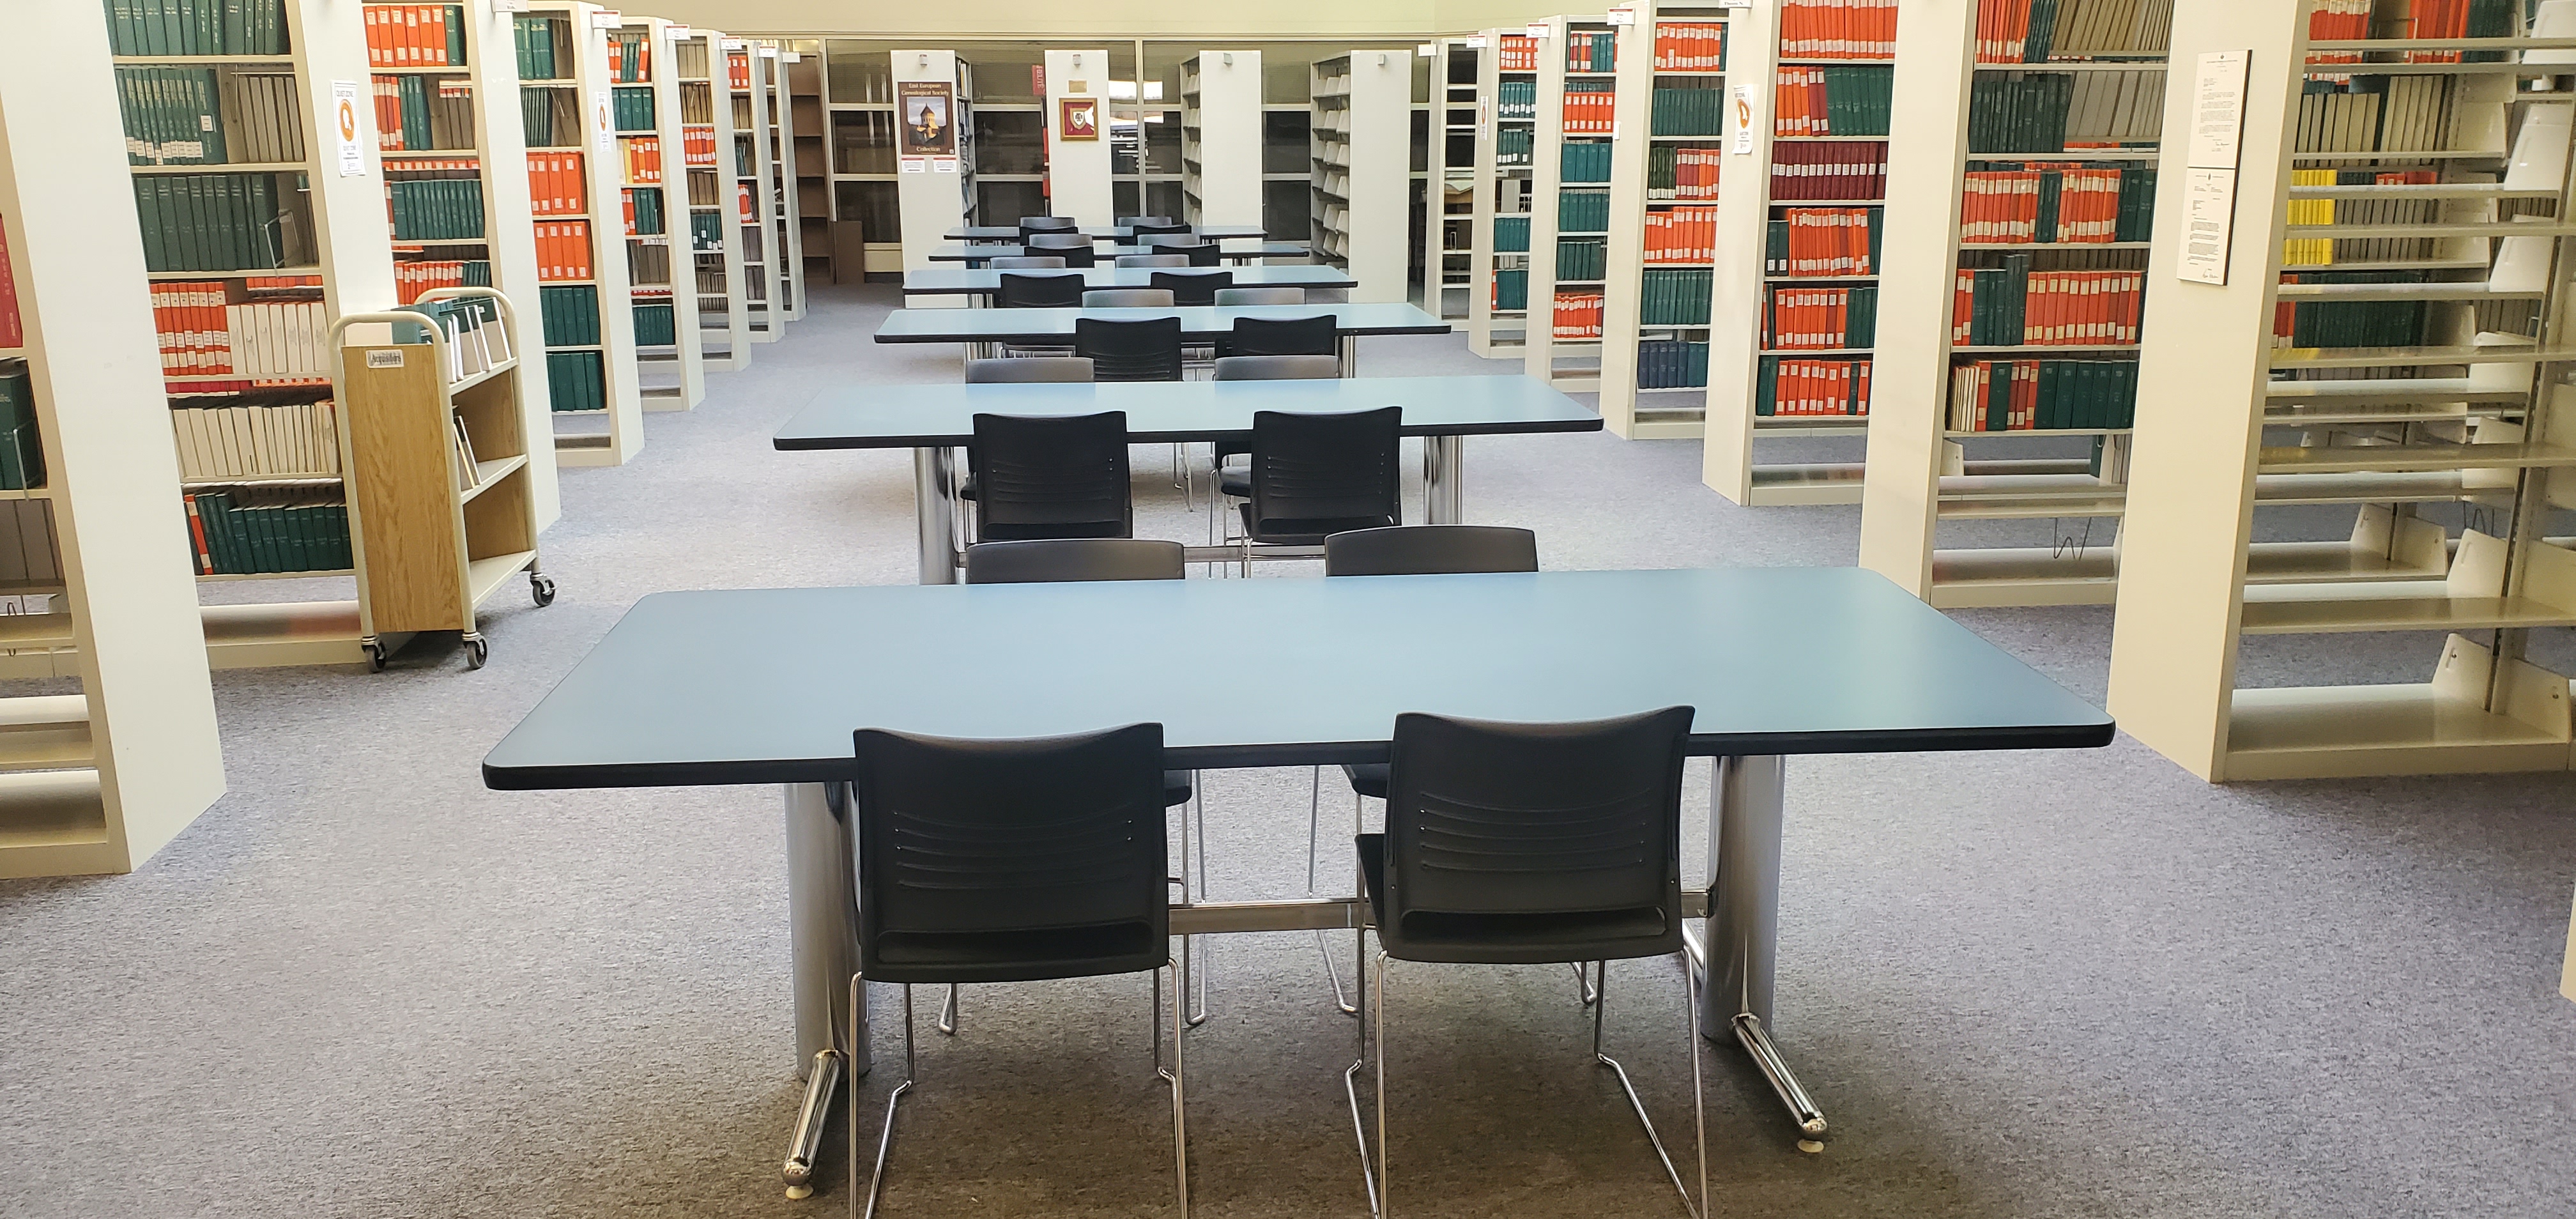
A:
[984,331]
[935,419]
[1106,232]
[766,686]
[985,281]
[1236,252]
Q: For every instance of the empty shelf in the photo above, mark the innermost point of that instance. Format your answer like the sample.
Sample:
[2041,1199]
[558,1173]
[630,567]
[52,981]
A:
[44,732]
[2329,731]
[2411,457]
[2388,391]
[1824,483]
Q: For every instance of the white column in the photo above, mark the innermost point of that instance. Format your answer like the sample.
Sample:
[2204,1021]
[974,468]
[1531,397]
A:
[1077,169]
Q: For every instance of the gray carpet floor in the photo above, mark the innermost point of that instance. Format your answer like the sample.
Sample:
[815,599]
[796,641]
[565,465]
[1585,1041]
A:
[2055,984]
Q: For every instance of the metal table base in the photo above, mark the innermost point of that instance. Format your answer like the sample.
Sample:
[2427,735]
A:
[1733,961]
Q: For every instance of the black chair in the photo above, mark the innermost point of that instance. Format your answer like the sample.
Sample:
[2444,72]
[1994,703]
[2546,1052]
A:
[1062,476]
[1010,861]
[1529,844]
[1047,224]
[1320,335]
[1153,260]
[1192,287]
[1132,221]
[1062,560]
[1201,253]
[1321,474]
[1038,291]
[1027,372]
[1029,261]
[1127,298]
[1157,227]
[1221,453]
[1148,349]
[1074,248]
[1261,296]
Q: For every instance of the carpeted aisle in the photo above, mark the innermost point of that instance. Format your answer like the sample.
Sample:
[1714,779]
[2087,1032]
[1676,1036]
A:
[2068,984]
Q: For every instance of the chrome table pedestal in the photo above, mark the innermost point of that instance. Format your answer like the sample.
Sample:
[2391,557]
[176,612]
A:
[1735,962]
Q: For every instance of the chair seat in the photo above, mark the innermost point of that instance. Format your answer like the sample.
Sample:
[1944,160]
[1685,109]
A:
[1367,778]
[1468,937]
[1019,955]
[1176,788]
[1307,532]
[1237,483]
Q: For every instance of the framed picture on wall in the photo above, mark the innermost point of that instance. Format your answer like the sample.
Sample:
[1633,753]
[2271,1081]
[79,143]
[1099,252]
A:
[1078,118]
[927,113]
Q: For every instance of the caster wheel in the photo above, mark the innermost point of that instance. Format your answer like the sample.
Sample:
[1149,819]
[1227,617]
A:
[375,657]
[476,652]
[541,589]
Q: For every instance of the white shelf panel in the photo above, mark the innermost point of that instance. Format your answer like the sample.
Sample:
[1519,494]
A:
[2334,731]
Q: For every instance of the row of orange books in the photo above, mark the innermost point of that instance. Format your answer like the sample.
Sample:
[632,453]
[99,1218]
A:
[1818,387]
[195,337]
[1816,319]
[1825,242]
[2003,30]
[1682,234]
[1591,113]
[2060,308]
[407,35]
[1690,46]
[1838,29]
[1578,315]
[641,70]
[563,249]
[411,279]
[643,159]
[556,185]
[738,70]
[2001,206]
[1694,174]
[1517,54]
[698,145]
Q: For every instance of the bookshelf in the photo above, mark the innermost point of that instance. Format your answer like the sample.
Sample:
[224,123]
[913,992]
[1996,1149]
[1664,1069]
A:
[252,245]
[867,212]
[652,139]
[802,62]
[443,518]
[715,243]
[1499,204]
[1569,232]
[2006,375]
[755,178]
[1448,238]
[1221,138]
[1361,136]
[781,209]
[567,107]
[2428,395]
[1789,171]
[1658,266]
[98,779]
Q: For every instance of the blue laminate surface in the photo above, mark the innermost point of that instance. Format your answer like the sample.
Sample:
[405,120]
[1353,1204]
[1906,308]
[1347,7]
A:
[766,686]
[1056,325]
[1000,232]
[1233,249]
[968,281]
[937,414]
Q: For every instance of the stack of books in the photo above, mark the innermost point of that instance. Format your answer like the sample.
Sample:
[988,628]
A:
[1830,101]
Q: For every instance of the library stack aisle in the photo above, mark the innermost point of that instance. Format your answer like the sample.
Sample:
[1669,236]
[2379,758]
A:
[99,780]
[2429,392]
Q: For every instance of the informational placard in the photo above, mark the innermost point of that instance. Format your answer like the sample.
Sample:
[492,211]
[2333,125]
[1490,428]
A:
[1623,16]
[347,126]
[2217,110]
[2209,215]
[603,122]
[1476,43]
[1739,120]
[926,115]
[509,6]
[912,165]
[606,19]
[1537,29]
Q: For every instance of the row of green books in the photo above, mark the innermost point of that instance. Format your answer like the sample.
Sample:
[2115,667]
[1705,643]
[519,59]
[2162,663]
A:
[212,222]
[467,312]
[535,40]
[1511,234]
[570,314]
[1584,163]
[577,381]
[631,107]
[1512,146]
[195,27]
[1673,296]
[440,209]
[1857,100]
[1591,50]
[22,453]
[2329,323]
[2070,393]
[1671,364]
[1583,211]
[1998,315]
[2027,115]
[643,211]
[550,118]
[1516,99]
[1580,259]
[248,531]
[1691,112]
[706,231]
[654,324]
[171,116]
[1511,289]
[435,114]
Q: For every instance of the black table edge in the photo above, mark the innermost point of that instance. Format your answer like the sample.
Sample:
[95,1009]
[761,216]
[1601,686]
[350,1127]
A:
[807,444]
[830,770]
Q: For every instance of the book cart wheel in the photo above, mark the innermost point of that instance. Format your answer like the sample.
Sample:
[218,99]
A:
[375,655]
[477,652]
[541,589]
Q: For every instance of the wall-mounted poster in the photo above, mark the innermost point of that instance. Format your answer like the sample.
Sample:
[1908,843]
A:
[928,112]
[1078,118]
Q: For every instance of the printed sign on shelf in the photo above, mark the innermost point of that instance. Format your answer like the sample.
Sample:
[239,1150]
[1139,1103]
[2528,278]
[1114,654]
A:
[346,125]
[1739,120]
[603,127]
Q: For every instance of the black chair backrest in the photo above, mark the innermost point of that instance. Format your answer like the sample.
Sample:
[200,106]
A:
[1136,220]
[1047,224]
[1073,559]
[1074,248]
[1144,229]
[1320,335]
[1276,368]
[1315,473]
[1008,861]
[1421,550]
[1148,349]
[1008,371]
[1193,287]
[1153,260]
[1062,476]
[1534,842]
[1038,291]
[1049,261]
[1201,253]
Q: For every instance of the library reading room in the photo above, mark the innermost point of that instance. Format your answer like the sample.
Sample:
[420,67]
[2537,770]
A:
[783,609]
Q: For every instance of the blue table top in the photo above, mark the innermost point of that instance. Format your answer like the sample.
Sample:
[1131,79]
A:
[766,686]
[966,281]
[1198,321]
[1233,249]
[943,413]
[1011,232]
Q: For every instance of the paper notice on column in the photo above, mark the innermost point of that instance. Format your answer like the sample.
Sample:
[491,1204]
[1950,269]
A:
[345,121]
[2209,172]
[1739,120]
[2209,212]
